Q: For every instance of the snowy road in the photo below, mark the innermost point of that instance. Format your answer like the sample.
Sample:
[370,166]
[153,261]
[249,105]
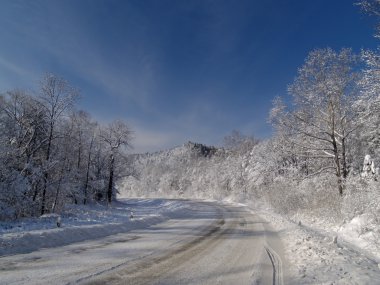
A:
[204,243]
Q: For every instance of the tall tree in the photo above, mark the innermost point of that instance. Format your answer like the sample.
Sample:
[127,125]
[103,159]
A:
[369,105]
[322,118]
[56,97]
[22,123]
[84,131]
[116,135]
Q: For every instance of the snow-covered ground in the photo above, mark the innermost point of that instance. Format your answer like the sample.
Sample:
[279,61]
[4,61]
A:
[313,256]
[80,223]
[253,178]
[319,256]
[200,242]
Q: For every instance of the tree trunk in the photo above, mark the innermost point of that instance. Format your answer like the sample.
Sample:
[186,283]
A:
[338,171]
[79,153]
[46,176]
[110,182]
[87,172]
[43,201]
[57,193]
[344,159]
[35,190]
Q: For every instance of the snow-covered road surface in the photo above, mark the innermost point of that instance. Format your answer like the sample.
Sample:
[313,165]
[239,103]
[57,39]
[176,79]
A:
[203,243]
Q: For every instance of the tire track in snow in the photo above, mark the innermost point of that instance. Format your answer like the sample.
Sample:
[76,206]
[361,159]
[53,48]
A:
[276,264]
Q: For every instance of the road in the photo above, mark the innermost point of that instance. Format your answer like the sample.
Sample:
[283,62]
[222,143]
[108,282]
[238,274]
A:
[208,243]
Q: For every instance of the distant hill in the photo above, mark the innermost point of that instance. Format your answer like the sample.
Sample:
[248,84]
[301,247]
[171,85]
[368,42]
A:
[191,170]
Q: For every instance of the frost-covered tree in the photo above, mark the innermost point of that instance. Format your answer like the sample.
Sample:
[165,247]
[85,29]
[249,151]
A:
[371,7]
[369,169]
[57,98]
[83,134]
[322,119]
[50,156]
[239,142]
[369,105]
[116,135]
[22,140]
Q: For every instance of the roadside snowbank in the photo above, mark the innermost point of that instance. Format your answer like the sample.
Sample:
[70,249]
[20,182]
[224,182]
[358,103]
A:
[362,231]
[81,223]
[315,258]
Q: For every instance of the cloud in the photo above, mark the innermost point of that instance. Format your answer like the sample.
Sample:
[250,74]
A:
[198,122]
[13,75]
[129,66]
[12,67]
[74,47]
[148,140]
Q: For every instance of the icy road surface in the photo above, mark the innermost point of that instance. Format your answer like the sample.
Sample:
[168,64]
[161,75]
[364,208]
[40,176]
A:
[203,243]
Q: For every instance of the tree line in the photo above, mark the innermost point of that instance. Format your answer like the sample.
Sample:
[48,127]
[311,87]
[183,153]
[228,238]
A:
[52,154]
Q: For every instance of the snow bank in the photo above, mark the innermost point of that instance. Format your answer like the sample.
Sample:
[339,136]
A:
[315,258]
[81,223]
[363,233]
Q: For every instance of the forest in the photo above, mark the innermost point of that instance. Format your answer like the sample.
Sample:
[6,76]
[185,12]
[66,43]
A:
[52,154]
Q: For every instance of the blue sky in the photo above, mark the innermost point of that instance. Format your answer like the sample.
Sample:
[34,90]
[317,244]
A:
[175,70]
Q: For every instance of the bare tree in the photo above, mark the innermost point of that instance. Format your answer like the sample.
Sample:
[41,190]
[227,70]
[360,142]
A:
[369,105]
[371,7]
[83,139]
[116,135]
[56,97]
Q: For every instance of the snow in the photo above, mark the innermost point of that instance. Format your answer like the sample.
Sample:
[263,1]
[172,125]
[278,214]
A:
[368,167]
[313,256]
[80,223]
[308,213]
[181,221]
[362,233]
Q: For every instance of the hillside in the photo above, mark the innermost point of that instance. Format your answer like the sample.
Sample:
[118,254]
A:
[191,170]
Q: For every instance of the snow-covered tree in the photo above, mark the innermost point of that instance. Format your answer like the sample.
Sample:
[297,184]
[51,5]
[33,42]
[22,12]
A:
[322,119]
[239,142]
[57,98]
[84,133]
[371,7]
[116,135]
[369,169]
[50,156]
[369,105]
[22,140]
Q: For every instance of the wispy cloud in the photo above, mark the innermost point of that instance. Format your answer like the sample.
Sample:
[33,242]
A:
[177,71]
[147,140]
[12,67]
[56,32]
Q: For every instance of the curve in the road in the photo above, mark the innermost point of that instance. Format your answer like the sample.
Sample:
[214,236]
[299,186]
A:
[230,249]
[204,243]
